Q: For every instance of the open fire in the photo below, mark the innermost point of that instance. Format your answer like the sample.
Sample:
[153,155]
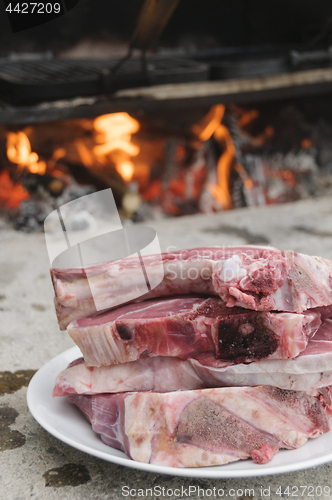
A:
[230,158]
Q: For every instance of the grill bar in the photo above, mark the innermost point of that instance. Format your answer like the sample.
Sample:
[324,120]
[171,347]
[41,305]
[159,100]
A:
[36,81]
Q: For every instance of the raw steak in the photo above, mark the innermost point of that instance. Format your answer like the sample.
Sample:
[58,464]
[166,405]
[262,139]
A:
[205,427]
[160,374]
[188,326]
[310,371]
[257,278]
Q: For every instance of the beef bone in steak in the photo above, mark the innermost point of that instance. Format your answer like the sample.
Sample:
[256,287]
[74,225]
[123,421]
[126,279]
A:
[310,371]
[188,326]
[161,374]
[205,427]
[256,278]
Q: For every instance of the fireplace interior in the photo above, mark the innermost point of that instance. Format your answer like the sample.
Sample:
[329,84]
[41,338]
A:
[229,108]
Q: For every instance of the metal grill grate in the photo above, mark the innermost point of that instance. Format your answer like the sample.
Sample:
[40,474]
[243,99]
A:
[36,81]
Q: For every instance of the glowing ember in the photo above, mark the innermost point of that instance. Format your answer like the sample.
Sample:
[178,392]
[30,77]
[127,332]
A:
[19,152]
[306,143]
[11,194]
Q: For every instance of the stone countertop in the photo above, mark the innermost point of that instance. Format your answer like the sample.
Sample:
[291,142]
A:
[36,465]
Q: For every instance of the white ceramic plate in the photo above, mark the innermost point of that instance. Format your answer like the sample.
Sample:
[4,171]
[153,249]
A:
[64,421]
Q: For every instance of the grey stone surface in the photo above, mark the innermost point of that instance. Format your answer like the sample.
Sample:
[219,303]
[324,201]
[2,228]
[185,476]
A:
[29,337]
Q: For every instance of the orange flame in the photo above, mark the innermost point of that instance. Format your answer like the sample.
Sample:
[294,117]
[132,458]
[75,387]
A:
[210,126]
[126,170]
[85,154]
[225,162]
[19,152]
[210,122]
[114,136]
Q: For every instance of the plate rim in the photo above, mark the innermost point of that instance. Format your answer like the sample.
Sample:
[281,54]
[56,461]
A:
[194,472]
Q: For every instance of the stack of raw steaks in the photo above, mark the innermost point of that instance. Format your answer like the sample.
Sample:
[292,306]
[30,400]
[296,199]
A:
[229,357]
